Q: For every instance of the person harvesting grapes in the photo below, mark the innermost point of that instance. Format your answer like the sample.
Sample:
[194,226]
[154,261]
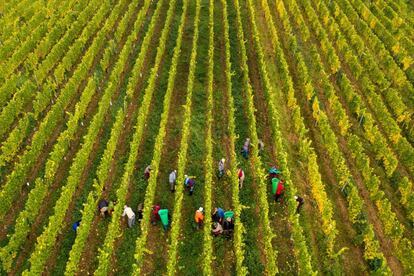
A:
[221,168]
[163,213]
[130,214]
[199,217]
[277,188]
[189,183]
[246,148]
[172,179]
[240,174]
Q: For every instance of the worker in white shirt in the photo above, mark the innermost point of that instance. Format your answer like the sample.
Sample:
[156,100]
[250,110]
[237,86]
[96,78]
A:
[130,214]
[172,179]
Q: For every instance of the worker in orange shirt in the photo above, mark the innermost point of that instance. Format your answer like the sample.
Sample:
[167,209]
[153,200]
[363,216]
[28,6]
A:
[199,217]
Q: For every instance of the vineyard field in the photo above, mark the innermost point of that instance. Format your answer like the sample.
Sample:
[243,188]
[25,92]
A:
[115,112]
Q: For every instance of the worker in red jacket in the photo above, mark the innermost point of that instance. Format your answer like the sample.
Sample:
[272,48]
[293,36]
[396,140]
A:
[240,174]
[155,217]
[279,188]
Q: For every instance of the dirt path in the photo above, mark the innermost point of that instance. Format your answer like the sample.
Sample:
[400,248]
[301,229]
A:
[278,214]
[125,247]
[254,255]
[190,248]
[224,262]
[155,263]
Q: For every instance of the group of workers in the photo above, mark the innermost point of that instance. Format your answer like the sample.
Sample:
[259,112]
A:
[278,187]
[160,214]
[189,181]
[223,222]
[246,148]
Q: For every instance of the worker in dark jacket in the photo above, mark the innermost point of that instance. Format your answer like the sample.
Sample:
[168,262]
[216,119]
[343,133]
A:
[76,225]
[103,207]
[140,211]
[300,202]
[246,148]
[228,226]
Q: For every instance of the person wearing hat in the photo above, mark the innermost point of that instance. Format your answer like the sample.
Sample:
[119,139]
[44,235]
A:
[147,172]
[273,172]
[217,229]
[189,184]
[199,217]
[172,179]
[221,168]
[300,202]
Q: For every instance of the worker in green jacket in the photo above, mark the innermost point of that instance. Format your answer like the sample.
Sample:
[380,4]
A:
[275,183]
[277,188]
[229,214]
[164,218]
[228,224]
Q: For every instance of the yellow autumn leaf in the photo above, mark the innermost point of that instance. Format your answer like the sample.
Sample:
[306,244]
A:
[396,48]
[373,23]
[407,61]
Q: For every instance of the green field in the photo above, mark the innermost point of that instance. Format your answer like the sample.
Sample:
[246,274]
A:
[92,92]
